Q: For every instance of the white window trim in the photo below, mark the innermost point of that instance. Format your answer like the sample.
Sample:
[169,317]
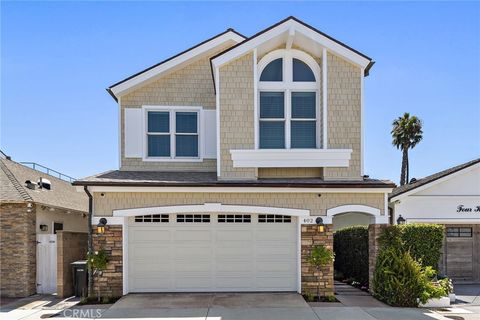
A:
[288,86]
[171,110]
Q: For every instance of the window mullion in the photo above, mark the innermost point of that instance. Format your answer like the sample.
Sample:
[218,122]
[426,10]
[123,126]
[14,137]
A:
[173,129]
[288,109]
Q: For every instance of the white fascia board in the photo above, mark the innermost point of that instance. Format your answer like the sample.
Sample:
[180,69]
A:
[250,44]
[332,45]
[443,221]
[120,189]
[290,158]
[434,182]
[289,27]
[230,36]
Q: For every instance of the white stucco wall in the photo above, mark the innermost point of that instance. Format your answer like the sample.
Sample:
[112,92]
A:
[439,203]
[72,221]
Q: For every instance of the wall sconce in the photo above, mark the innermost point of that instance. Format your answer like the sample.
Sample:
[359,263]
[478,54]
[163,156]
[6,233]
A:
[400,220]
[43,227]
[101,226]
[321,226]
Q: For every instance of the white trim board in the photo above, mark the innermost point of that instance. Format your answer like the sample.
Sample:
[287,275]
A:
[290,158]
[235,189]
[211,208]
[375,212]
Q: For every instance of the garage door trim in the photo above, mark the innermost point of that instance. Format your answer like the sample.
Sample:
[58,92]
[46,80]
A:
[120,217]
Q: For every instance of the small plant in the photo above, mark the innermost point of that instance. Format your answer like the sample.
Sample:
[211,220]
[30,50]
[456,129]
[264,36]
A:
[320,256]
[309,296]
[330,298]
[97,260]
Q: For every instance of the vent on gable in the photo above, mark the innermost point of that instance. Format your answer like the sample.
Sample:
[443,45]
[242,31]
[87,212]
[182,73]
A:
[30,185]
[44,183]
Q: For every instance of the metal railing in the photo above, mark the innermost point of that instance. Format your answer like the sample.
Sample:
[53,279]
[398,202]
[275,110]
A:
[55,173]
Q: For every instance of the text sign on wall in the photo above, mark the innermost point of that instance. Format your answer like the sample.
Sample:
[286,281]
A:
[463,209]
[307,220]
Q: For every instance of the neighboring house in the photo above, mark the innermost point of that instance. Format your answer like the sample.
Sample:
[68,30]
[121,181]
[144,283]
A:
[34,207]
[229,153]
[452,198]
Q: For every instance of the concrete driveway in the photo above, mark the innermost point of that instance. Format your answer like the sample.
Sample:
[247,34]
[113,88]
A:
[249,306]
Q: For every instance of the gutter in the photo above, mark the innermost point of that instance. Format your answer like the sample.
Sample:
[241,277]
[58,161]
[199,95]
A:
[90,240]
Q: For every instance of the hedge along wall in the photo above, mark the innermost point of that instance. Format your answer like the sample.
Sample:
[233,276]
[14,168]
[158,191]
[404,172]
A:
[424,242]
[351,253]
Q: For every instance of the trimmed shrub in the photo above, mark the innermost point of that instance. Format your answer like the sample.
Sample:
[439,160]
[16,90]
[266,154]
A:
[424,241]
[351,253]
[405,267]
[400,281]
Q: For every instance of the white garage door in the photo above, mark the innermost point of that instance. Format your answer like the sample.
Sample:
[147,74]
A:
[212,252]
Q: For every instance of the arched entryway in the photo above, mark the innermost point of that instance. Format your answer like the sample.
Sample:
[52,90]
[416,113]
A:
[352,247]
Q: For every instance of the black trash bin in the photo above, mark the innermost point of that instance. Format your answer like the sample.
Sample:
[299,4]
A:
[80,275]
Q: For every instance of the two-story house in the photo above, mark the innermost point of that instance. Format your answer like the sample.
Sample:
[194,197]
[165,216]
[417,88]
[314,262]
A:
[235,155]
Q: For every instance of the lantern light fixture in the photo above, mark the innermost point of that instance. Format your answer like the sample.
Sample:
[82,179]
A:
[401,220]
[101,226]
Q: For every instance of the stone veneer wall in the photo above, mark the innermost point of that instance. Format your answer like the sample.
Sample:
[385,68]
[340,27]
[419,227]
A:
[71,247]
[237,129]
[110,282]
[311,277]
[374,231]
[17,250]
[344,115]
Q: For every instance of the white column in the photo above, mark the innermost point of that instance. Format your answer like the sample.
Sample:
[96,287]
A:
[324,98]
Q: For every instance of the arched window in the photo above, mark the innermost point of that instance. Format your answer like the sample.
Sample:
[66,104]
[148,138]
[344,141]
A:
[288,101]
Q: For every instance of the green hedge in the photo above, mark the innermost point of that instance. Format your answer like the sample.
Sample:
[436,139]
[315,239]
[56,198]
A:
[351,253]
[404,271]
[424,241]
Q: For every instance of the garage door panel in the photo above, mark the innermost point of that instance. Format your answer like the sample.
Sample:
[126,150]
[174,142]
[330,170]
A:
[212,256]
[149,235]
[230,236]
[152,283]
[234,266]
[193,235]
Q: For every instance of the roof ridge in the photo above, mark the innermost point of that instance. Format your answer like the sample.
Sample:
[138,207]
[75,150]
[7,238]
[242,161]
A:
[16,184]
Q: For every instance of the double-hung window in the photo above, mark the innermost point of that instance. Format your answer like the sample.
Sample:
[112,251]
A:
[172,134]
[288,108]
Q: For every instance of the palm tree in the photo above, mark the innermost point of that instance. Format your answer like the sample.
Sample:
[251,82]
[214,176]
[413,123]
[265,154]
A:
[406,134]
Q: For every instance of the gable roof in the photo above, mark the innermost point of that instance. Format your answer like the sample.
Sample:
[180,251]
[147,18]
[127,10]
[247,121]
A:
[62,195]
[292,24]
[229,35]
[431,178]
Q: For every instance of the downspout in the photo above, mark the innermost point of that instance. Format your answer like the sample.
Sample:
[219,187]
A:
[90,241]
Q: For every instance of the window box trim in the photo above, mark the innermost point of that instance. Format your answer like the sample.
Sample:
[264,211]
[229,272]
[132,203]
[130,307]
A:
[290,158]
[172,133]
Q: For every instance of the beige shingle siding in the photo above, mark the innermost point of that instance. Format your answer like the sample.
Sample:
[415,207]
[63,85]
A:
[311,201]
[290,172]
[189,86]
[236,115]
[344,115]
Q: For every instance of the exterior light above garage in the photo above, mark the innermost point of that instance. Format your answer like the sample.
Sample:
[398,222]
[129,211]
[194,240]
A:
[101,226]
[321,226]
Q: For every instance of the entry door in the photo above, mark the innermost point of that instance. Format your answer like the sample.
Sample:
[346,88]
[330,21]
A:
[212,252]
[46,263]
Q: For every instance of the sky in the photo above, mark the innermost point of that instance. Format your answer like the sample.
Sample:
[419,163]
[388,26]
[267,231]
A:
[57,58]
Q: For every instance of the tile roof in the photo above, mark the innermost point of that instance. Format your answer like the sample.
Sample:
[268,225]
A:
[204,179]
[431,178]
[62,195]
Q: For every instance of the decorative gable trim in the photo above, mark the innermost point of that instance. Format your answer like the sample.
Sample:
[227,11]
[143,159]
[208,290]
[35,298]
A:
[155,71]
[292,25]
